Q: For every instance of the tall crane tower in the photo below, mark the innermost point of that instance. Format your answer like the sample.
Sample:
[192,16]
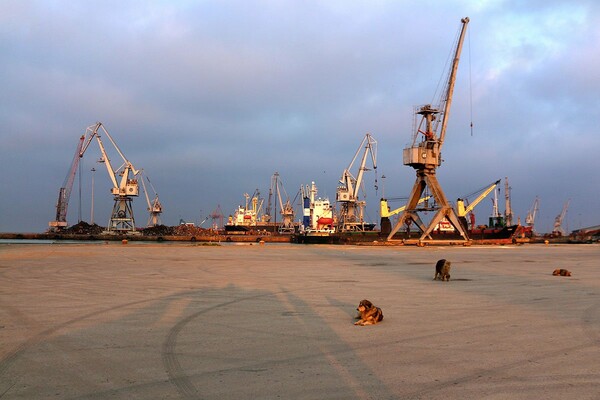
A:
[64,193]
[347,194]
[425,157]
[123,190]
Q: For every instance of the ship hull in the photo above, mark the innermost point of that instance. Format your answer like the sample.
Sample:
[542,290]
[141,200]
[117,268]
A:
[503,235]
[273,228]
[337,237]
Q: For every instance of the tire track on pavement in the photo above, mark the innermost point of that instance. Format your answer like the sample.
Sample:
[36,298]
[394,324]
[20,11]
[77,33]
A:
[175,372]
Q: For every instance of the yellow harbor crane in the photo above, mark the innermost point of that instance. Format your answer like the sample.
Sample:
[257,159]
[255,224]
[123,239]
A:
[463,211]
[385,212]
[425,157]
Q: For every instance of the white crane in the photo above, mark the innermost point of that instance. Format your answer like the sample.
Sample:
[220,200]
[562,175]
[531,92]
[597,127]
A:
[558,229]
[530,218]
[285,209]
[154,207]
[425,157]
[347,194]
[123,190]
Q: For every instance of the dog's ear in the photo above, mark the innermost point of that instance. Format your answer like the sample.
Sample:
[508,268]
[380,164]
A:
[367,303]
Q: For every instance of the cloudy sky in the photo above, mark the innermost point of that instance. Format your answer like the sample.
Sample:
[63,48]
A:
[211,98]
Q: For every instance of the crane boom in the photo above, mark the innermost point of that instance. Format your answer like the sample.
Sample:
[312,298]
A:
[462,211]
[384,209]
[64,192]
[452,79]
[104,159]
[127,186]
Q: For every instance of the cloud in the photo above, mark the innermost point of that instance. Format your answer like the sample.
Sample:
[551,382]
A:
[211,98]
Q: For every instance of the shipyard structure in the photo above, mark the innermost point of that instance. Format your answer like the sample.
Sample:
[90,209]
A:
[426,216]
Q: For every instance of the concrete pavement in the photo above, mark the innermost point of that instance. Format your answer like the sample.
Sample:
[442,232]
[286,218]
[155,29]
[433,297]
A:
[275,321]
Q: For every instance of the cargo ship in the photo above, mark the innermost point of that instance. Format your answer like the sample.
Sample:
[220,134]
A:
[318,219]
[249,219]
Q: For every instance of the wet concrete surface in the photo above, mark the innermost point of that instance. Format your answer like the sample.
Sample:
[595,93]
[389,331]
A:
[275,321]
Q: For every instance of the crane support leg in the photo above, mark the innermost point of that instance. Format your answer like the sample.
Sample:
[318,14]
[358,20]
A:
[409,212]
[428,179]
[121,220]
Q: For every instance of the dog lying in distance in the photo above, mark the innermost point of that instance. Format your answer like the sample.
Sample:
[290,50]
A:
[368,314]
[561,272]
[442,270]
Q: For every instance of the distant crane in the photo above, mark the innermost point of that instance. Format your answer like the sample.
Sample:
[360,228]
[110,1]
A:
[385,212]
[426,156]
[154,207]
[508,214]
[64,193]
[122,219]
[462,211]
[347,194]
[217,218]
[496,220]
[530,218]
[286,210]
[558,229]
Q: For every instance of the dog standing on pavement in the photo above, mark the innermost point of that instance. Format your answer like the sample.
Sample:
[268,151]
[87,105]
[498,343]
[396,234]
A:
[442,270]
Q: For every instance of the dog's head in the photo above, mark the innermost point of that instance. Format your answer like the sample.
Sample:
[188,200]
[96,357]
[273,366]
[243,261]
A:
[364,305]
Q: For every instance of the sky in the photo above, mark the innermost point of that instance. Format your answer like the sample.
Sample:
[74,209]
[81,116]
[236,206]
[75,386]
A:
[211,98]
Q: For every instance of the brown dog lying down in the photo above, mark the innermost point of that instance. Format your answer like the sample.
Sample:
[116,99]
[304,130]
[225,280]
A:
[561,272]
[368,314]
[442,269]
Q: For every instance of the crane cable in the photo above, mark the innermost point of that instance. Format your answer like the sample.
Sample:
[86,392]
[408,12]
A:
[470,83]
